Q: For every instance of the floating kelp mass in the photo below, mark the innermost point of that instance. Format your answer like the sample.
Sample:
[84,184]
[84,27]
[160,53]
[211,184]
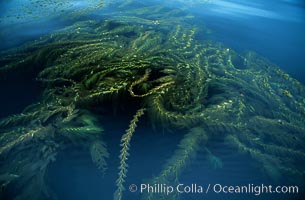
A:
[155,61]
[31,10]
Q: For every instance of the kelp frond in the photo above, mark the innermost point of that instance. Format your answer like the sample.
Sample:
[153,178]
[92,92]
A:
[187,149]
[27,136]
[125,143]
[99,154]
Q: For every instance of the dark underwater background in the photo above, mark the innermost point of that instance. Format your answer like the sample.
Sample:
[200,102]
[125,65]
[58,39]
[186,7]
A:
[275,29]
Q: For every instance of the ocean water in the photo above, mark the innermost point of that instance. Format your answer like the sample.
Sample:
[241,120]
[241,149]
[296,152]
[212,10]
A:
[273,29]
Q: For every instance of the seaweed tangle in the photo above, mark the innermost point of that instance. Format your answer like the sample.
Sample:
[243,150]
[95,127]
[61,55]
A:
[147,58]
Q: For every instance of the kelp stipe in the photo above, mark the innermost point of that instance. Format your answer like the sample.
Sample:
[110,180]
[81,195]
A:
[125,144]
[187,150]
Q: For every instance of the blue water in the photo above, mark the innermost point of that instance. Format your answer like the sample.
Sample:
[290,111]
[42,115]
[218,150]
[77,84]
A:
[275,29]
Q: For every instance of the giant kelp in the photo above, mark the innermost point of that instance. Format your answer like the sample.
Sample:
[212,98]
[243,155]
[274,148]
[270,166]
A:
[30,11]
[152,60]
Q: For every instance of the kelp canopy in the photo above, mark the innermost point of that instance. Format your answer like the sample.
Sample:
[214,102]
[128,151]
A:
[154,61]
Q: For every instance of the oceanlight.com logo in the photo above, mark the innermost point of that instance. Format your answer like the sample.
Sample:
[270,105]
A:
[255,189]
[195,188]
